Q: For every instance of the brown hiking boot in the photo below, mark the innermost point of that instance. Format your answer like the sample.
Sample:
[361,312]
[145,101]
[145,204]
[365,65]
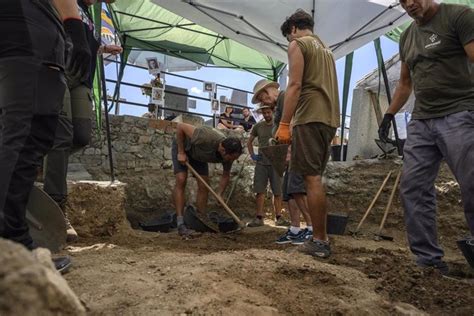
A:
[70,231]
[316,248]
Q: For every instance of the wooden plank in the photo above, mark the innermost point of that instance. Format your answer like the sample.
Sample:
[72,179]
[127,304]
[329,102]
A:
[376,107]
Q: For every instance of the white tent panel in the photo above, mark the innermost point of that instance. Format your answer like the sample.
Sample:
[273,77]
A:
[344,25]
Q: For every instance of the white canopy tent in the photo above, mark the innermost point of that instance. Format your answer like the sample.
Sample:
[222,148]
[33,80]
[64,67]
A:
[344,25]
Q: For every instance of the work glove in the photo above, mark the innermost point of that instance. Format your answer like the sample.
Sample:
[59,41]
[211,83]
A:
[256,157]
[283,133]
[78,63]
[385,127]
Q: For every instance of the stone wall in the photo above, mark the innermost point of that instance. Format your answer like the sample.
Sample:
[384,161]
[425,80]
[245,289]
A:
[141,150]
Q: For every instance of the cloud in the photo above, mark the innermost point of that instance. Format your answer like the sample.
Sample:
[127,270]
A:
[195,90]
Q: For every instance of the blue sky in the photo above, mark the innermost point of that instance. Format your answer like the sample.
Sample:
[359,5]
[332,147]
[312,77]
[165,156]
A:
[364,62]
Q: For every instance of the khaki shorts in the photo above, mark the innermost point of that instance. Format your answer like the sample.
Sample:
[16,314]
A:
[310,148]
[263,174]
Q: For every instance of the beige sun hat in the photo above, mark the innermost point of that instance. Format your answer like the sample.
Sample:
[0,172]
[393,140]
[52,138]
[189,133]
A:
[260,86]
[262,106]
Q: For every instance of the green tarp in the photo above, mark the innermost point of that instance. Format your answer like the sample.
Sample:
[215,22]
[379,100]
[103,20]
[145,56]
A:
[144,25]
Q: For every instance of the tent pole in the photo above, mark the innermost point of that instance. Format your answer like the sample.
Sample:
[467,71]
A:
[275,74]
[345,97]
[314,8]
[107,123]
[123,64]
[378,50]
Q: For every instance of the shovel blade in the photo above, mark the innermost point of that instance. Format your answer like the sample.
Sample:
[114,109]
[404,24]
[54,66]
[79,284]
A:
[386,148]
[383,237]
[45,220]
[277,156]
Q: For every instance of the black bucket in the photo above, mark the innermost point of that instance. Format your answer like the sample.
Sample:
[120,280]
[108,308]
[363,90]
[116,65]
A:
[467,248]
[162,224]
[336,152]
[336,224]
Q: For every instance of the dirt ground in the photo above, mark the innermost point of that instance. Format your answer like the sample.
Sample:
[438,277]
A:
[120,271]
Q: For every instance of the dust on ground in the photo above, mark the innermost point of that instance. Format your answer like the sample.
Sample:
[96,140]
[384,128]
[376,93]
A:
[136,273]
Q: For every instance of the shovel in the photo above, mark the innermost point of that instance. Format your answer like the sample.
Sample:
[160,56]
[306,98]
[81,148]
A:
[378,235]
[385,147]
[219,199]
[276,153]
[45,220]
[354,233]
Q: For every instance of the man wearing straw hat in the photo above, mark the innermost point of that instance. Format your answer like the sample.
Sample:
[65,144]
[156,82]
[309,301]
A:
[293,188]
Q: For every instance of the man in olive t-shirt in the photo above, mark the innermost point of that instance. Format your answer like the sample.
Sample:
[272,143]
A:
[437,54]
[199,146]
[264,171]
[312,106]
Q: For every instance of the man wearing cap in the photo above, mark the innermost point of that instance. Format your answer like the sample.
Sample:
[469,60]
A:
[312,106]
[293,188]
[264,172]
[74,126]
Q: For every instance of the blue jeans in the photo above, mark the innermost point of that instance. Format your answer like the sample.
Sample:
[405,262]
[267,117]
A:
[429,142]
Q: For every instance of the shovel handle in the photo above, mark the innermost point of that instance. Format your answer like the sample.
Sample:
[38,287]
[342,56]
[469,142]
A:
[234,183]
[373,201]
[390,200]
[219,198]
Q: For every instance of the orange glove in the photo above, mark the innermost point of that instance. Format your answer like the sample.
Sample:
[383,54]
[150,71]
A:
[283,135]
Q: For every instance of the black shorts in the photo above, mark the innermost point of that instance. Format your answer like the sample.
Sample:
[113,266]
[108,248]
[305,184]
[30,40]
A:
[292,184]
[202,168]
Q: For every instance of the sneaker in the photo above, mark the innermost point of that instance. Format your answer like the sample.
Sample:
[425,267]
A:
[307,234]
[282,222]
[441,266]
[184,231]
[256,222]
[62,264]
[289,237]
[316,248]
[299,238]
